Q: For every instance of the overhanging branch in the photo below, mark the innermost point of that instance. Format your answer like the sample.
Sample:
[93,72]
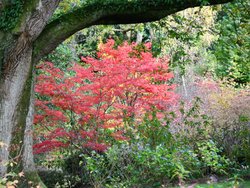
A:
[108,12]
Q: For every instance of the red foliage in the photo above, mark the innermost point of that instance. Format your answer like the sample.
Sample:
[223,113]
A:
[87,100]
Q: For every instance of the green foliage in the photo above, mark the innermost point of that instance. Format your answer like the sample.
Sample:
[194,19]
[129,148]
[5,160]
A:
[134,165]
[89,39]
[52,178]
[160,164]
[9,16]
[66,172]
[232,47]
[9,179]
[184,37]
[158,154]
[211,158]
[177,36]
[66,6]
[152,133]
[156,157]
[63,56]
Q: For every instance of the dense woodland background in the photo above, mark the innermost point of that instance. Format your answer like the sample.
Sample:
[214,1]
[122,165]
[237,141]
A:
[156,104]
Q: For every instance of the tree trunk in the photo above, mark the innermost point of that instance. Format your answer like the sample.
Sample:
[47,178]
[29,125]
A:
[16,103]
[28,158]
[139,37]
[16,118]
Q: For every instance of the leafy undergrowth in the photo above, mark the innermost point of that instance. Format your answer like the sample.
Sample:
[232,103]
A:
[115,121]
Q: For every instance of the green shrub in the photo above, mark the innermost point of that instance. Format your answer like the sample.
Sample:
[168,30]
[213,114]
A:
[156,154]
[51,178]
[211,159]
[156,157]
[143,166]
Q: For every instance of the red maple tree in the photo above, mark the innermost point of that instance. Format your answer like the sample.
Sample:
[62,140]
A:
[92,103]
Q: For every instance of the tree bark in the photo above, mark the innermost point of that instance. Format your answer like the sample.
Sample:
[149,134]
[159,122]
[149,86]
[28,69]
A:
[13,106]
[16,67]
[28,158]
[139,37]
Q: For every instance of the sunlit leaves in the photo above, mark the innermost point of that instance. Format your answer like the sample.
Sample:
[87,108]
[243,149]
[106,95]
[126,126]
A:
[103,96]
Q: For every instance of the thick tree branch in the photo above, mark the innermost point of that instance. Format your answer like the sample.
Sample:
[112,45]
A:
[108,12]
[28,7]
[36,14]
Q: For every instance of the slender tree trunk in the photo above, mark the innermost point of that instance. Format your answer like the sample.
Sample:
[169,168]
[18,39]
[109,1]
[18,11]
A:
[184,86]
[139,37]
[152,34]
[28,158]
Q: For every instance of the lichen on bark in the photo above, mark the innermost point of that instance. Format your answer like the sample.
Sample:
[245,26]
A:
[17,142]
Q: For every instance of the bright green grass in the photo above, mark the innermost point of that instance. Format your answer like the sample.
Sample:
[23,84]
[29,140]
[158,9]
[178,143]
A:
[245,184]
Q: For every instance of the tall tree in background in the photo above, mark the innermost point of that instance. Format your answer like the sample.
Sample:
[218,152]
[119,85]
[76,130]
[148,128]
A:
[28,32]
[232,47]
